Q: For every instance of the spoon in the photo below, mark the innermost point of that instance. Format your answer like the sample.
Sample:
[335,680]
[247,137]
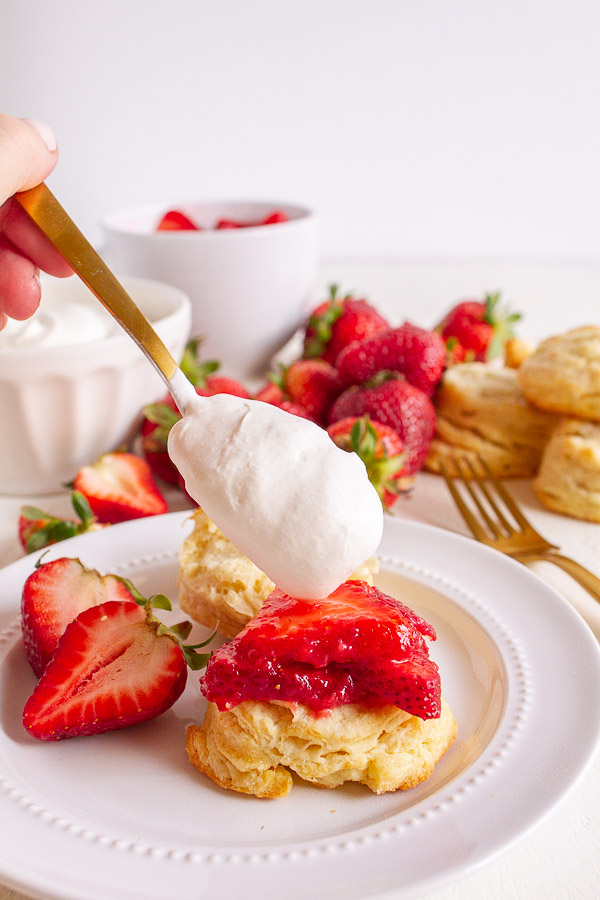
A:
[43,208]
[302,509]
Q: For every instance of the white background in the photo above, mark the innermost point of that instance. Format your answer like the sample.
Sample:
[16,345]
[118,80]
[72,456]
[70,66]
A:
[431,129]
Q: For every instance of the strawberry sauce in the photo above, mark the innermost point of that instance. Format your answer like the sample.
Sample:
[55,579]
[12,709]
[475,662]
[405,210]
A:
[356,646]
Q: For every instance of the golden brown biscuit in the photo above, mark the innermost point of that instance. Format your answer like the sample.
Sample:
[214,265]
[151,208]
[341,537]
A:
[251,747]
[482,410]
[569,477]
[219,586]
[563,375]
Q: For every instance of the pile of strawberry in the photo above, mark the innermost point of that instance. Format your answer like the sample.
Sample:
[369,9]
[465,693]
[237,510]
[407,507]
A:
[369,384]
[372,385]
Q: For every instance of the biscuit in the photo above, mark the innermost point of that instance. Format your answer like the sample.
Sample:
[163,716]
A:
[254,747]
[569,477]
[481,410]
[219,586]
[563,375]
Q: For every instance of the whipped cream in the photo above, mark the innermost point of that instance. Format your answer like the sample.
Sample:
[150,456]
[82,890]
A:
[302,509]
[60,322]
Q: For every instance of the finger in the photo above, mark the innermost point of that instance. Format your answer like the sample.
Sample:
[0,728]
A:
[32,242]
[19,283]
[27,154]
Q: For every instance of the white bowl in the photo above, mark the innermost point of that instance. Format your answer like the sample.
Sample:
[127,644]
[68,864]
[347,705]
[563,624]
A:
[66,401]
[250,287]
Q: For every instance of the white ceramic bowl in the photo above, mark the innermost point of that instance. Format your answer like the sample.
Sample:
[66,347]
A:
[65,403]
[250,287]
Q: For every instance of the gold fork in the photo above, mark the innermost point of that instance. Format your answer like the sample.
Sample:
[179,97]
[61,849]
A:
[496,520]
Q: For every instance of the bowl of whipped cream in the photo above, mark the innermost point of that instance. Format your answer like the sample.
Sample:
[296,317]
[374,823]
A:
[249,268]
[73,384]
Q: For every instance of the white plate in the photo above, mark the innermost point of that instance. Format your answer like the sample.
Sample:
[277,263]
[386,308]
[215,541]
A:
[125,816]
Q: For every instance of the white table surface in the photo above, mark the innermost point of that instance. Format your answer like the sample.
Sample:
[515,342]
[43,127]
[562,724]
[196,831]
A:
[560,858]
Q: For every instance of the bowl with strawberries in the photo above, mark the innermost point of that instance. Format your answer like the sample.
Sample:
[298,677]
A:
[248,267]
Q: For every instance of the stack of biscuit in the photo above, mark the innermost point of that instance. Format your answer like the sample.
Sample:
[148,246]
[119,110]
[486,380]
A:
[563,377]
[540,419]
[482,412]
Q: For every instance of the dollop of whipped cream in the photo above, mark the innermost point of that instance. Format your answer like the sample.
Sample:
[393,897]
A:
[302,509]
[59,322]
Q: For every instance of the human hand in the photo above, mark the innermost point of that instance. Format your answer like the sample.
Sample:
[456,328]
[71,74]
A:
[27,155]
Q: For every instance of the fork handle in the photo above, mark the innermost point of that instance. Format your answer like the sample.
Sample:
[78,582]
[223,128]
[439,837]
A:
[588,581]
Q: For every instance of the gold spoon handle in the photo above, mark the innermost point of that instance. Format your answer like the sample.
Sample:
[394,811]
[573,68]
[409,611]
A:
[43,208]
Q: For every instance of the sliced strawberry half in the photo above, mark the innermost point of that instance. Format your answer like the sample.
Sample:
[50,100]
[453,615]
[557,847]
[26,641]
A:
[54,595]
[116,665]
[120,486]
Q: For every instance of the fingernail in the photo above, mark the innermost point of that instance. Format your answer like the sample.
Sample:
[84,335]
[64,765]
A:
[45,132]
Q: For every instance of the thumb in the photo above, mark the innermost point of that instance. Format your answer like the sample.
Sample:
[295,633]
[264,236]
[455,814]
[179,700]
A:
[27,154]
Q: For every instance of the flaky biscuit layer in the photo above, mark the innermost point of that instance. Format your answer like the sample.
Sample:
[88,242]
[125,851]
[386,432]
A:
[254,747]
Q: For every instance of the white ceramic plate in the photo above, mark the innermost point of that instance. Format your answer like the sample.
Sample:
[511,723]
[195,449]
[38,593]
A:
[125,816]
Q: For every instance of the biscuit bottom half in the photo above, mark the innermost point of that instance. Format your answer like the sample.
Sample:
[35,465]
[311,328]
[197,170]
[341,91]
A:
[252,747]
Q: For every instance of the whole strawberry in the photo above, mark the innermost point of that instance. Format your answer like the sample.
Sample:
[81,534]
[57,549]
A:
[417,354]
[201,374]
[381,450]
[481,328]
[53,595]
[313,384]
[119,486]
[337,322]
[115,665]
[39,529]
[394,402]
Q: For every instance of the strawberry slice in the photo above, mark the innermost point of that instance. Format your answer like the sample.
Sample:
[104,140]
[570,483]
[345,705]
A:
[119,486]
[275,218]
[355,646]
[174,220]
[39,529]
[116,665]
[54,595]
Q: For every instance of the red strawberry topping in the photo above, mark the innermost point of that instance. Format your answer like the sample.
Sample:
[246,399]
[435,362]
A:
[355,646]
[398,404]
[417,354]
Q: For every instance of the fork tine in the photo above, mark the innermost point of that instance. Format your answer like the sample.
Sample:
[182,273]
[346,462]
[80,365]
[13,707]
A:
[464,510]
[506,498]
[508,526]
[468,484]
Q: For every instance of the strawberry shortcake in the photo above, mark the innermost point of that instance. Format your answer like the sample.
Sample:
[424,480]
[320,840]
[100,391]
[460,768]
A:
[334,690]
